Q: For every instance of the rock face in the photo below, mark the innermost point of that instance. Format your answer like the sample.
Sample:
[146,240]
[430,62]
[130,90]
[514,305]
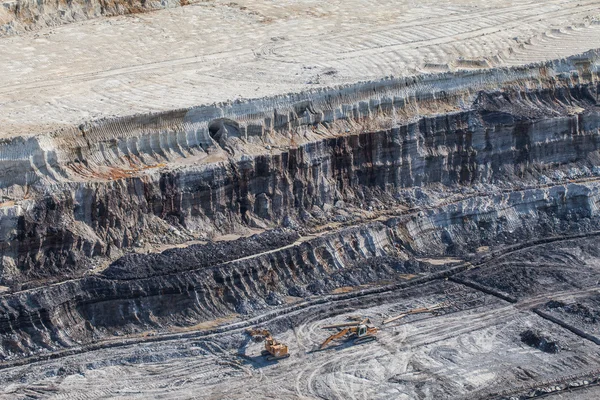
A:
[403,168]
[75,197]
[24,15]
[137,293]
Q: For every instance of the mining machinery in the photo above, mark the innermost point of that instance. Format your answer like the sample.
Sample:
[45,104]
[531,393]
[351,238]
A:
[430,309]
[359,329]
[274,350]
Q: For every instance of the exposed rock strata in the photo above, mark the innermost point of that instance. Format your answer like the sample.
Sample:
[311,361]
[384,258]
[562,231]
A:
[482,158]
[23,15]
[84,310]
[72,199]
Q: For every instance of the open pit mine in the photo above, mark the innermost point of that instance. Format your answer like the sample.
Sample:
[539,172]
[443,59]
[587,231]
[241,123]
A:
[305,199]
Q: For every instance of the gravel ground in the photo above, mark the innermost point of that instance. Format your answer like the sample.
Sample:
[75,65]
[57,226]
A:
[476,346]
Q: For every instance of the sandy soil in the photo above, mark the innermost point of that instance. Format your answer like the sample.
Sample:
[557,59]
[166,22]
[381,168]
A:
[220,50]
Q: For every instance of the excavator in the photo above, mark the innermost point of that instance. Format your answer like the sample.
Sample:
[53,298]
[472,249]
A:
[359,329]
[274,350]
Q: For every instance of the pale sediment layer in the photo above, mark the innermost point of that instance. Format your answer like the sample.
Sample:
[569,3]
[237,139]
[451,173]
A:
[18,16]
[219,51]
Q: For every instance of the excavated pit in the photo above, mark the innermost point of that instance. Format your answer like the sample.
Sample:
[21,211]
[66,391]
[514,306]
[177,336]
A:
[327,159]
[477,189]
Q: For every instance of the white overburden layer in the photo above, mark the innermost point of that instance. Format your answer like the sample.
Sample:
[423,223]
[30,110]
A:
[218,51]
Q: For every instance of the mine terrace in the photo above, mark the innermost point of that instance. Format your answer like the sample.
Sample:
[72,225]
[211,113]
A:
[300,199]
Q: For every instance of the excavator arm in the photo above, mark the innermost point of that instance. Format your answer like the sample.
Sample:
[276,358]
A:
[336,335]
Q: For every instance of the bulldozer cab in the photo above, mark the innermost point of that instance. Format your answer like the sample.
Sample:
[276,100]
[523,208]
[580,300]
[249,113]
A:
[362,331]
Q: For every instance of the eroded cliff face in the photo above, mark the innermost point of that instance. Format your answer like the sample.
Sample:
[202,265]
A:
[185,286]
[400,169]
[78,198]
[25,15]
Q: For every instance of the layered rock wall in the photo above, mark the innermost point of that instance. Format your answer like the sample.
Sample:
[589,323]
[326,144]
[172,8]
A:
[133,295]
[444,163]
[24,15]
[75,198]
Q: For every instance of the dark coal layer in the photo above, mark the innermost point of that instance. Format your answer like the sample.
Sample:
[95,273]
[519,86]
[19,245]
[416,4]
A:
[506,138]
[539,341]
[197,256]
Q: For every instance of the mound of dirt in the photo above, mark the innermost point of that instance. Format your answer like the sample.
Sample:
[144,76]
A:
[539,341]
[578,310]
[137,266]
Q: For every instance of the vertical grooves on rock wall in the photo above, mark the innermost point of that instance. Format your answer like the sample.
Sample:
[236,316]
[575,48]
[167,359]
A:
[297,185]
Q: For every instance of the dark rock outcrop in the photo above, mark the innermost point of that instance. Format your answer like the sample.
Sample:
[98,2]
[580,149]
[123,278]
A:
[450,162]
[143,297]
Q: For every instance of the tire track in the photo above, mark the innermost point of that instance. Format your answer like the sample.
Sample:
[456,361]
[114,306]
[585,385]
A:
[180,59]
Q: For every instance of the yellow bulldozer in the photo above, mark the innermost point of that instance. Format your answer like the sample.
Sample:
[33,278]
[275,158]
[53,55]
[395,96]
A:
[359,329]
[274,350]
